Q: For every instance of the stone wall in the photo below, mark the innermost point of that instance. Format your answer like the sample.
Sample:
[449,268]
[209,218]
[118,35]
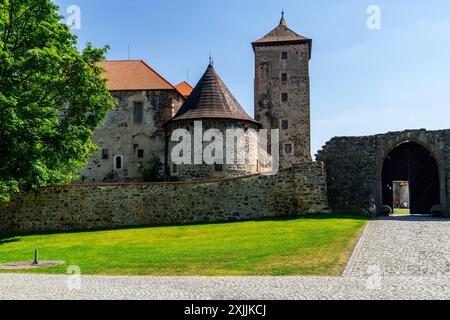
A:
[121,136]
[351,169]
[205,171]
[293,191]
[354,167]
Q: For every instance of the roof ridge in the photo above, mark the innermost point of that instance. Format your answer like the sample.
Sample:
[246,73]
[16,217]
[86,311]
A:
[124,60]
[182,83]
[125,75]
[158,74]
[226,90]
[184,88]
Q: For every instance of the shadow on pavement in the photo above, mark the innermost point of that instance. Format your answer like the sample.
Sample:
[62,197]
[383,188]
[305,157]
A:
[421,217]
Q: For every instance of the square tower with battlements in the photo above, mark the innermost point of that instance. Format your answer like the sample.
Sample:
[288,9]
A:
[282,97]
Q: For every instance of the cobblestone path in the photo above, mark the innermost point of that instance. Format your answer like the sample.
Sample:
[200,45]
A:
[396,258]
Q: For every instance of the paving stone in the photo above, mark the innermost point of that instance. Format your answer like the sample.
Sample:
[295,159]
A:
[396,258]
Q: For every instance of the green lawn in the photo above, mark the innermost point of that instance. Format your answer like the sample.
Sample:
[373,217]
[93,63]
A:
[303,246]
[399,211]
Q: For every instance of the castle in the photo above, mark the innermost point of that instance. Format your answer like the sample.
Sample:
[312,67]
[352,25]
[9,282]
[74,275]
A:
[149,108]
[360,171]
[349,175]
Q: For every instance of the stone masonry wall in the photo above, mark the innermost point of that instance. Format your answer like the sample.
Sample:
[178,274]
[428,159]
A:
[351,172]
[292,191]
[204,171]
[354,166]
[271,111]
[121,136]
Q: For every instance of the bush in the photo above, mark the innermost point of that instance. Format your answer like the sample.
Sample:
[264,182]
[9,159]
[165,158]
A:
[152,171]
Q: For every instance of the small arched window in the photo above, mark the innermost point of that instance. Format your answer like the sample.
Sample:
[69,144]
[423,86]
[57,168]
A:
[118,162]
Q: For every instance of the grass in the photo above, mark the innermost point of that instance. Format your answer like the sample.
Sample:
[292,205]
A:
[400,211]
[302,246]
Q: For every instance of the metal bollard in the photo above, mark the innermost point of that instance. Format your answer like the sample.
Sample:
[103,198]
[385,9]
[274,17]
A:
[36,257]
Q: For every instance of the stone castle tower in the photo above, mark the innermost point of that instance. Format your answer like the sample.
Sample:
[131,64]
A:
[282,98]
[213,105]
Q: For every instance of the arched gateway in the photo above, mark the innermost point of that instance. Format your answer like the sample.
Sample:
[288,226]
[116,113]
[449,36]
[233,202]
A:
[414,165]
[362,172]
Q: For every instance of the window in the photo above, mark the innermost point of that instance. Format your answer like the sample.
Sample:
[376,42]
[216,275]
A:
[288,148]
[284,77]
[218,167]
[138,109]
[118,162]
[105,153]
[284,97]
[140,153]
[284,55]
[284,124]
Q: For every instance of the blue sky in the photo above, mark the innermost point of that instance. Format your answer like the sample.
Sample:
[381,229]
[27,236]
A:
[362,81]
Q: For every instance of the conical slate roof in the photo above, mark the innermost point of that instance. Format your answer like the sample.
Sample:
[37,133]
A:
[280,35]
[211,99]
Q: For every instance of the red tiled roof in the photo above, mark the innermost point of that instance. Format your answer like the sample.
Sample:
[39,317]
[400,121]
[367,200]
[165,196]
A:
[184,89]
[133,75]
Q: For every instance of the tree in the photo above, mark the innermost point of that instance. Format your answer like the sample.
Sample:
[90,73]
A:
[152,170]
[52,97]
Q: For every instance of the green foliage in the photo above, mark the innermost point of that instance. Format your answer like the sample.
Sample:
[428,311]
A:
[52,97]
[304,246]
[6,189]
[152,171]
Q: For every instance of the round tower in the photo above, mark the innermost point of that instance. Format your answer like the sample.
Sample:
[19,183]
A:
[210,115]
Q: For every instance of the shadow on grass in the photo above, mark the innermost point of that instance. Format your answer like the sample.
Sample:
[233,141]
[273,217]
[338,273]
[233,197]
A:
[6,238]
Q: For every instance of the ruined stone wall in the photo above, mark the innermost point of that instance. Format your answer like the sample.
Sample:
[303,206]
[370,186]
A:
[447,157]
[121,136]
[292,191]
[270,110]
[205,171]
[351,168]
[354,167]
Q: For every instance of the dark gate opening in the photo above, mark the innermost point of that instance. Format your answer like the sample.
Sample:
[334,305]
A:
[411,162]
